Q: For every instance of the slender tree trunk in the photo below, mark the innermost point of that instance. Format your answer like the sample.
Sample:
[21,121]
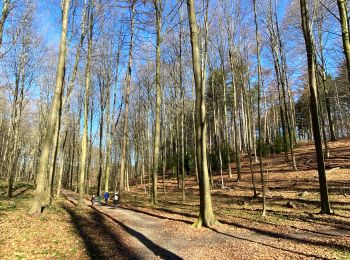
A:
[339,109]
[309,43]
[158,8]
[126,99]
[194,137]
[61,158]
[322,121]
[45,149]
[216,116]
[323,79]
[206,215]
[53,156]
[182,91]
[109,136]
[164,157]
[84,143]
[234,113]
[249,117]
[226,136]
[263,177]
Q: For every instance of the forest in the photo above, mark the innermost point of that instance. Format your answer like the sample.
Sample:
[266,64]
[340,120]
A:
[174,129]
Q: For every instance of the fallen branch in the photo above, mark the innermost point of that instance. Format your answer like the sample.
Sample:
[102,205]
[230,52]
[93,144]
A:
[331,170]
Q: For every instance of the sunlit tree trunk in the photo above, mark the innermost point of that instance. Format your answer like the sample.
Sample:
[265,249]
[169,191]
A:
[84,143]
[158,8]
[206,215]
[263,177]
[45,149]
[182,93]
[126,100]
[226,131]
[234,114]
[309,43]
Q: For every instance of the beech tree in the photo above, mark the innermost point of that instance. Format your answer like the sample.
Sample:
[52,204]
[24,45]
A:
[45,149]
[126,102]
[206,214]
[84,143]
[311,63]
[158,8]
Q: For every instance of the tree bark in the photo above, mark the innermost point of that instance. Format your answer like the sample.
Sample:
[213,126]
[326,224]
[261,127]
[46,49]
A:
[158,9]
[126,99]
[84,143]
[206,215]
[309,44]
[263,177]
[45,149]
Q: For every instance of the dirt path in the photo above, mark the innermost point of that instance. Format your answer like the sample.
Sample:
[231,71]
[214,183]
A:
[161,237]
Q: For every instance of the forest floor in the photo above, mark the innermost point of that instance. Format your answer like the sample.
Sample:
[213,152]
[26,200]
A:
[293,229]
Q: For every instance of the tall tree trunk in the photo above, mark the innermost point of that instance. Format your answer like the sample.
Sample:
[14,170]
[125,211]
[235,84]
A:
[109,136]
[323,123]
[158,8]
[309,44]
[126,99]
[61,158]
[263,177]
[164,153]
[182,93]
[323,76]
[250,150]
[234,113]
[84,142]
[53,155]
[226,132]
[194,133]
[206,214]
[45,149]
[100,154]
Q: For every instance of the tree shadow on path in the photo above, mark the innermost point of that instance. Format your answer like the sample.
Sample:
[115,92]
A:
[100,241]
[157,250]
[104,242]
[296,237]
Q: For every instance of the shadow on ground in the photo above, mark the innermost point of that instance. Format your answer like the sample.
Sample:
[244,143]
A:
[104,240]
[308,238]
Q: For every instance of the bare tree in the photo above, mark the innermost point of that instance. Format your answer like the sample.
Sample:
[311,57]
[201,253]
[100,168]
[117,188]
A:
[263,178]
[84,142]
[45,149]
[311,62]
[206,214]
[126,101]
